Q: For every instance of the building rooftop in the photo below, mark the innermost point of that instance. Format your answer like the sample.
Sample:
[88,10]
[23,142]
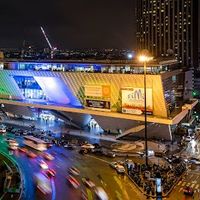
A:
[154,63]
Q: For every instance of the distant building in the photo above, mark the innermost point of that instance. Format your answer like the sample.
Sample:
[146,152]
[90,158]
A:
[166,26]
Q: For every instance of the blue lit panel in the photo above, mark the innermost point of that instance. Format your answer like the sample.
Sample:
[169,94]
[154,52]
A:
[46,90]
[56,91]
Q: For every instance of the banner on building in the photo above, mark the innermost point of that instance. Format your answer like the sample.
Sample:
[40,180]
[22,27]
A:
[97,91]
[97,104]
[133,101]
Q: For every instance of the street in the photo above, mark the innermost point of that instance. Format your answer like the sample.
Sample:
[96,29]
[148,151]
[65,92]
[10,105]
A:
[116,186]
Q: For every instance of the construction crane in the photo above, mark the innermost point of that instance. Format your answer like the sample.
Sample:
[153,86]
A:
[48,42]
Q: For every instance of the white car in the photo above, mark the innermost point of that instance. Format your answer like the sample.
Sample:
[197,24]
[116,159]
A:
[100,193]
[43,165]
[88,146]
[120,169]
[43,183]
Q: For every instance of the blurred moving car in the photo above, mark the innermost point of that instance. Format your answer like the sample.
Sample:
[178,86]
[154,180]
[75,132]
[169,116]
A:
[30,154]
[43,165]
[100,193]
[22,149]
[74,171]
[84,195]
[188,191]
[13,142]
[42,183]
[48,156]
[13,145]
[73,182]
[50,173]
[87,182]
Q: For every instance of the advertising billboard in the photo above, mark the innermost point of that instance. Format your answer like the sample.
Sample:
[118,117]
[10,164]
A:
[97,97]
[133,101]
[98,104]
[97,91]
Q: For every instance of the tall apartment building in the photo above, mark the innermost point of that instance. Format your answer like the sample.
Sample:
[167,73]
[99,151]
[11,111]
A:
[166,25]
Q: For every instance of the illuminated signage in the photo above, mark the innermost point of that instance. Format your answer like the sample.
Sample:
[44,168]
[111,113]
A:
[133,100]
[97,104]
[97,91]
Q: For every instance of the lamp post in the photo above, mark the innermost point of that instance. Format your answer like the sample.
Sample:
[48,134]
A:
[145,59]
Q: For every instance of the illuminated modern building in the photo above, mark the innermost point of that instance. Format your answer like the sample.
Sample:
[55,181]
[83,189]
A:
[110,92]
[166,26]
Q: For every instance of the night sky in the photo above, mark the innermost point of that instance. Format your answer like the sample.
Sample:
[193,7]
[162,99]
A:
[68,23]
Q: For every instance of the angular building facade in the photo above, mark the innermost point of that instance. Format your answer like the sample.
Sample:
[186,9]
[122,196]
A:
[110,92]
[169,26]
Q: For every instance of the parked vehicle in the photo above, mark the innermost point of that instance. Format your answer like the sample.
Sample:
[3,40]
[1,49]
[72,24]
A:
[120,169]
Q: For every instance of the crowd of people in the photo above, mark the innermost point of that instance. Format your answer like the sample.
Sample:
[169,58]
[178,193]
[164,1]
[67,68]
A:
[145,176]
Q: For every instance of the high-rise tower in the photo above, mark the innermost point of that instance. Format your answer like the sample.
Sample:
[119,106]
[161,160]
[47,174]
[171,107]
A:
[164,26]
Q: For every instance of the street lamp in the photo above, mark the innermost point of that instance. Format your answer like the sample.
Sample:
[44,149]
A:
[145,59]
